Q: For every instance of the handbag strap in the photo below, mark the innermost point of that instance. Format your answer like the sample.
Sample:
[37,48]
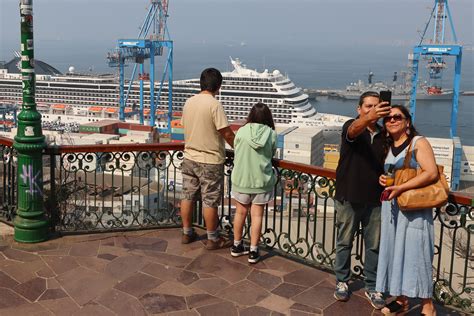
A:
[406,162]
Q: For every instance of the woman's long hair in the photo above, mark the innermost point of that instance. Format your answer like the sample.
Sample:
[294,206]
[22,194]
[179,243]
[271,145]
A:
[261,114]
[411,129]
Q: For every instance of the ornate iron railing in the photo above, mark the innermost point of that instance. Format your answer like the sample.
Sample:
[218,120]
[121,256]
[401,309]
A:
[8,171]
[119,187]
[110,187]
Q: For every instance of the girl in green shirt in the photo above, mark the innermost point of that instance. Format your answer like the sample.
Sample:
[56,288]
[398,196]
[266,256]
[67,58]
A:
[253,179]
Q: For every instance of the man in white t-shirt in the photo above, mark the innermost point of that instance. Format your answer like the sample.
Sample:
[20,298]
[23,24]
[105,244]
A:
[205,130]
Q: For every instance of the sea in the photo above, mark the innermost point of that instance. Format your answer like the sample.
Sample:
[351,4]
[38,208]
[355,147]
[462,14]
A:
[308,67]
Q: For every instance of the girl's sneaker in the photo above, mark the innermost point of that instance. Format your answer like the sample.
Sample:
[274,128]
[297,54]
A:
[254,256]
[240,250]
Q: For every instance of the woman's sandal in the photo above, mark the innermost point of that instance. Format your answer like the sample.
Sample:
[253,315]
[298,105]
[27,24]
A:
[395,308]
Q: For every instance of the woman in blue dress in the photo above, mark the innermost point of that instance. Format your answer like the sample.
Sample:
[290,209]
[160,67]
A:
[407,237]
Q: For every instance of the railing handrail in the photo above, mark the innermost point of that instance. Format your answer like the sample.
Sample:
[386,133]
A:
[63,149]
[6,141]
[458,197]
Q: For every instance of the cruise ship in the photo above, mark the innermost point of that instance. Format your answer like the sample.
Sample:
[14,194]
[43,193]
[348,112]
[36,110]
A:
[81,98]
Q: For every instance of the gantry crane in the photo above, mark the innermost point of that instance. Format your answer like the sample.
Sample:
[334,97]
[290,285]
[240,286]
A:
[139,50]
[437,49]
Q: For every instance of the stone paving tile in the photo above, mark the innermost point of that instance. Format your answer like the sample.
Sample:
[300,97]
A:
[62,306]
[297,307]
[93,309]
[107,256]
[46,272]
[52,283]
[141,273]
[84,285]
[141,243]
[163,272]
[92,263]
[8,298]
[183,313]
[43,246]
[23,272]
[255,311]
[19,255]
[155,303]
[123,267]
[244,293]
[27,309]
[138,284]
[53,294]
[85,249]
[319,296]
[306,277]
[219,309]
[63,250]
[6,281]
[265,280]
[276,303]
[32,289]
[60,264]
[221,267]
[281,264]
[198,300]
[121,303]
[187,277]
[356,306]
[288,290]
[112,250]
[166,259]
[176,288]
[211,285]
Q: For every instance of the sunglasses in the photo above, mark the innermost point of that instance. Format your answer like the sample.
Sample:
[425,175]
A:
[396,118]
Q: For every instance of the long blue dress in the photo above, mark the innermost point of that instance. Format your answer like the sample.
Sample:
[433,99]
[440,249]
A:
[406,245]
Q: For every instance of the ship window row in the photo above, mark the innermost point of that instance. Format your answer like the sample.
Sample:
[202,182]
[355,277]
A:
[297,102]
[227,83]
[258,95]
[288,89]
[272,106]
[13,83]
[252,89]
[248,79]
[282,83]
[249,99]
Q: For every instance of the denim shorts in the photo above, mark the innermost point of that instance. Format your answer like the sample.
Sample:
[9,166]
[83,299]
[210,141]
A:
[202,180]
[255,198]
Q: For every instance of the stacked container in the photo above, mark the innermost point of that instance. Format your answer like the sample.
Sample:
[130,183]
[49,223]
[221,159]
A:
[304,145]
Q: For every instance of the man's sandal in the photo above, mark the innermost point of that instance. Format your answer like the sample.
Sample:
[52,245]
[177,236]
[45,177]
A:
[395,308]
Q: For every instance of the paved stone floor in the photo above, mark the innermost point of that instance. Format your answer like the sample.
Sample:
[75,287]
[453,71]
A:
[150,272]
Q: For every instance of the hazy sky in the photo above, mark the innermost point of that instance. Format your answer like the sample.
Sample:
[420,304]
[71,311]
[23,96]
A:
[275,22]
[347,30]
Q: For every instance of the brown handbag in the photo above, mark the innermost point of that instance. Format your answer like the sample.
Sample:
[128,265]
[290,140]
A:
[432,195]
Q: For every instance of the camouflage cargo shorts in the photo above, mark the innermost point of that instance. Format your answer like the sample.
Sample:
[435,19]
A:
[202,179]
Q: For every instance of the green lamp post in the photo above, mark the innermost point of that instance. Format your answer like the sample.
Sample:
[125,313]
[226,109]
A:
[30,222]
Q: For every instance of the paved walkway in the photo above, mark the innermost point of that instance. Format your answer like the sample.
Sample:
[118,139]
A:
[150,272]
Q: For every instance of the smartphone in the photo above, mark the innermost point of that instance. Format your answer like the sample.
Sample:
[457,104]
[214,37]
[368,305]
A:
[386,96]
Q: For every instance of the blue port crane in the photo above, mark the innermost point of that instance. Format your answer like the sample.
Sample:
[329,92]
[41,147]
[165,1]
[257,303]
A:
[436,49]
[152,41]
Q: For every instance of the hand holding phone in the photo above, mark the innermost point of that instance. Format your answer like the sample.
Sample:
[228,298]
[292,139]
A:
[386,96]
